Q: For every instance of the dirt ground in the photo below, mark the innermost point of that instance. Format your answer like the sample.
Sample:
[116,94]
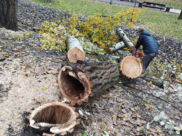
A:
[27,79]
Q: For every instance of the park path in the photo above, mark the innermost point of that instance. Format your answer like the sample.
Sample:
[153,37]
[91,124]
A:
[131,4]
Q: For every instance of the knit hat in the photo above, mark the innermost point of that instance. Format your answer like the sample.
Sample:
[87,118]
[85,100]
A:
[141,30]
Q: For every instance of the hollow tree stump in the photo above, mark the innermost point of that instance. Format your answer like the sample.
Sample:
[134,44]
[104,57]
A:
[59,117]
[76,82]
[75,49]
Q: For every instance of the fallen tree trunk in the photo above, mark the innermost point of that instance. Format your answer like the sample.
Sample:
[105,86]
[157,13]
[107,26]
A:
[76,82]
[116,47]
[124,38]
[75,49]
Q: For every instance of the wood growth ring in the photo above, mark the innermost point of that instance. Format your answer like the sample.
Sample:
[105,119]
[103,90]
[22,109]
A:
[131,67]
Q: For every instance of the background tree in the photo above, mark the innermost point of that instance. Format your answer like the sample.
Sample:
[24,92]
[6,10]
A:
[8,14]
[180,16]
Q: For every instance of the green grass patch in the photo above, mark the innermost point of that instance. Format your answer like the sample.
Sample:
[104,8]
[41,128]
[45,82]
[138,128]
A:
[156,22]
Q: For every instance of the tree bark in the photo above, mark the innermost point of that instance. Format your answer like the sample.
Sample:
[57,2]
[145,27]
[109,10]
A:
[8,14]
[76,82]
[116,47]
[75,49]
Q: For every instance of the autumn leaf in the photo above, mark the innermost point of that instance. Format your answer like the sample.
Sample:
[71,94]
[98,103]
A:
[39,100]
[43,89]
[9,45]
[149,106]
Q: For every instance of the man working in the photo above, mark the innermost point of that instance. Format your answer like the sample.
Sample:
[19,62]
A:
[150,47]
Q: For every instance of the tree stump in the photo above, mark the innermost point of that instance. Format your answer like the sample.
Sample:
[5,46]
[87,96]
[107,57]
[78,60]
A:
[76,82]
[59,117]
[75,49]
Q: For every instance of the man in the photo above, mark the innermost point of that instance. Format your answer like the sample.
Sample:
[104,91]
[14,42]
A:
[150,47]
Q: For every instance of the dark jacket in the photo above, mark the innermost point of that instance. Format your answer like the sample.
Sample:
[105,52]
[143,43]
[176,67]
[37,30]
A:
[148,43]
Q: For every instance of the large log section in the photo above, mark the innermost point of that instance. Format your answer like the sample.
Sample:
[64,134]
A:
[76,82]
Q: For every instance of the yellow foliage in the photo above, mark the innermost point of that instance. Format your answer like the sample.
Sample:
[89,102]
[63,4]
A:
[99,30]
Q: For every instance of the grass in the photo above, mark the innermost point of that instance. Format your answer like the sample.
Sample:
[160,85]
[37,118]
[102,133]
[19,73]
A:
[156,22]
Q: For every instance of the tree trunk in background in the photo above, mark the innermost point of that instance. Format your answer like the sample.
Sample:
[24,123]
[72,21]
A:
[180,16]
[8,14]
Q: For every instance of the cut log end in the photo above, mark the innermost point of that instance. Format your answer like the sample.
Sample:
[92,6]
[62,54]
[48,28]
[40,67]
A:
[131,48]
[74,85]
[75,54]
[57,116]
[131,67]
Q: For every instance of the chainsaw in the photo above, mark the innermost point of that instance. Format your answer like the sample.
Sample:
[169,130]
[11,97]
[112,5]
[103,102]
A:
[137,54]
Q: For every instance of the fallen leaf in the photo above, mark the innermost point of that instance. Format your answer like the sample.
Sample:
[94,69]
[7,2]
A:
[149,106]
[104,96]
[9,45]
[45,69]
[43,88]
[5,54]
[114,119]
[132,109]
[39,100]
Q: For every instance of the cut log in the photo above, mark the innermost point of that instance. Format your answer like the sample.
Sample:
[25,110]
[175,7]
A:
[76,82]
[131,67]
[104,56]
[124,38]
[75,49]
[155,81]
[116,47]
[58,116]
[124,53]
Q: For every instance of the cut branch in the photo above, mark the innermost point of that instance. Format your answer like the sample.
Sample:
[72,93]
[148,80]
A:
[116,47]
[124,38]
[75,49]
[104,56]
[155,81]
